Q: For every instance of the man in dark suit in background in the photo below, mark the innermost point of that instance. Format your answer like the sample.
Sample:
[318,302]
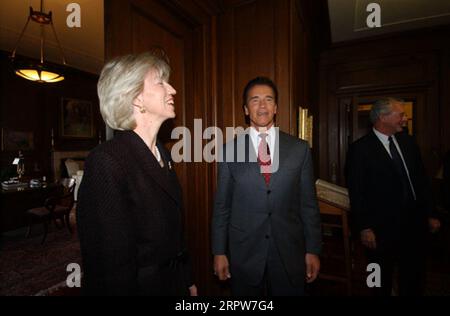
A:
[390,197]
[266,223]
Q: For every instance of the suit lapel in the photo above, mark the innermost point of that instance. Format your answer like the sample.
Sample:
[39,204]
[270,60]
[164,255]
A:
[405,151]
[151,166]
[252,162]
[174,184]
[279,157]
[380,151]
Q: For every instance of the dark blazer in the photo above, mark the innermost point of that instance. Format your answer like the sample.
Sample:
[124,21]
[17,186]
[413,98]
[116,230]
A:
[130,222]
[246,210]
[375,188]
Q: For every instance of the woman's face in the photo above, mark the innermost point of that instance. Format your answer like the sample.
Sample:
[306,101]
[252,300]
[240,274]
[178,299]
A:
[157,96]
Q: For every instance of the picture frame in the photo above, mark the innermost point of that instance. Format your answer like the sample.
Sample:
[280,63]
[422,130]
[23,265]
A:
[12,140]
[77,120]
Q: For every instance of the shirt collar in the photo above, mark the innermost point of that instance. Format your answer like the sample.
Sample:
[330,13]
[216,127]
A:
[382,137]
[271,132]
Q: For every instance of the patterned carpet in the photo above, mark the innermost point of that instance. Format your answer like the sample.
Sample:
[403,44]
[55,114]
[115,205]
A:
[29,268]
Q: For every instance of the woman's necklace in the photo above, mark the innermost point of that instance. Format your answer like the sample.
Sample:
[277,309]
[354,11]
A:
[158,157]
[157,154]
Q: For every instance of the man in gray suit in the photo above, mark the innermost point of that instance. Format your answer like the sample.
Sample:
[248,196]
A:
[266,225]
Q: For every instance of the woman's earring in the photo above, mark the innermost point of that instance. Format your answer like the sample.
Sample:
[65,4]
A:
[142,109]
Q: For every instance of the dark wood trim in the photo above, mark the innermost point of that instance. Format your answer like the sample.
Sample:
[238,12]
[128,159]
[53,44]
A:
[377,87]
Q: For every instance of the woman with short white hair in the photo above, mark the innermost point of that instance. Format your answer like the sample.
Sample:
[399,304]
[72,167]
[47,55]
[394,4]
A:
[129,212]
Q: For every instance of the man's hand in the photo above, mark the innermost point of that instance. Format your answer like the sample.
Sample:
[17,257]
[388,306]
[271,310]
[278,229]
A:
[434,224]
[193,290]
[221,267]
[368,238]
[312,267]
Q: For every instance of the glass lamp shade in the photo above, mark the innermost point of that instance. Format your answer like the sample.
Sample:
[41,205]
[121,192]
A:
[37,72]
[33,71]
[39,75]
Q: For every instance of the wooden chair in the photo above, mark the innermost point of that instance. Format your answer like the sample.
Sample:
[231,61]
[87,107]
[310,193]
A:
[55,207]
[331,209]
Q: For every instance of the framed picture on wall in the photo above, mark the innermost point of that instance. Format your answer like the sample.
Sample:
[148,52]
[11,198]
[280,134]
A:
[77,119]
[16,140]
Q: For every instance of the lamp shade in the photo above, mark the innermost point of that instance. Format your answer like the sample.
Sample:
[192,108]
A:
[39,76]
[37,72]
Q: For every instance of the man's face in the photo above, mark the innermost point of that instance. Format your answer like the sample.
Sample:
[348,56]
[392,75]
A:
[395,120]
[261,106]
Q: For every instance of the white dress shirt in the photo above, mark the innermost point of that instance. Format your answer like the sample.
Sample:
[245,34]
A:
[384,139]
[254,136]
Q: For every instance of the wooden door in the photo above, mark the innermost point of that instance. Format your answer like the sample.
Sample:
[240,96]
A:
[354,122]
[182,30]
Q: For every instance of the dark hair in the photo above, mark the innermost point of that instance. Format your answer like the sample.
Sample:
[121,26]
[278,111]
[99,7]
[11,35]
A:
[259,81]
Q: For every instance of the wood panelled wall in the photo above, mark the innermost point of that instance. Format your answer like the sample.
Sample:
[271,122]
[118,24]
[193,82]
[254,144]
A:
[262,38]
[407,65]
[27,106]
[215,47]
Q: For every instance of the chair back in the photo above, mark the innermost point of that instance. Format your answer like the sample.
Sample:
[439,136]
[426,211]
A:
[67,199]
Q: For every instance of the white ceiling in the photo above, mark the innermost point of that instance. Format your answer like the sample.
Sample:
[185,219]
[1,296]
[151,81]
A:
[348,17]
[83,47]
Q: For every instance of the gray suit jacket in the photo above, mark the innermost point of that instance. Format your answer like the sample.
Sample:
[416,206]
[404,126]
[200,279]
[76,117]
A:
[247,212]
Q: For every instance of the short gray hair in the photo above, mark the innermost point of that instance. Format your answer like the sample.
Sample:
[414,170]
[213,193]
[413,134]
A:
[121,81]
[381,107]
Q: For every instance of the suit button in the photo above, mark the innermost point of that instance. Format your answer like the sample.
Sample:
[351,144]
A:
[270,214]
[267,236]
[269,191]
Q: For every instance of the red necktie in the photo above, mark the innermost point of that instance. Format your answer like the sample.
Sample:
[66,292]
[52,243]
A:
[264,158]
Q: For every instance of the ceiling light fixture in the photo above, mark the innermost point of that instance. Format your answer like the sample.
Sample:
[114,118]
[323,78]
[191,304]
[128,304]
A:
[38,72]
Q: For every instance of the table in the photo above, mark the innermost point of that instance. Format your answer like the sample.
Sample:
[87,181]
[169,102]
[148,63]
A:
[14,204]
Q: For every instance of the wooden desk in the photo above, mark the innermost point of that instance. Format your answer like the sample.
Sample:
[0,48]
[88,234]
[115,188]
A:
[331,209]
[14,203]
